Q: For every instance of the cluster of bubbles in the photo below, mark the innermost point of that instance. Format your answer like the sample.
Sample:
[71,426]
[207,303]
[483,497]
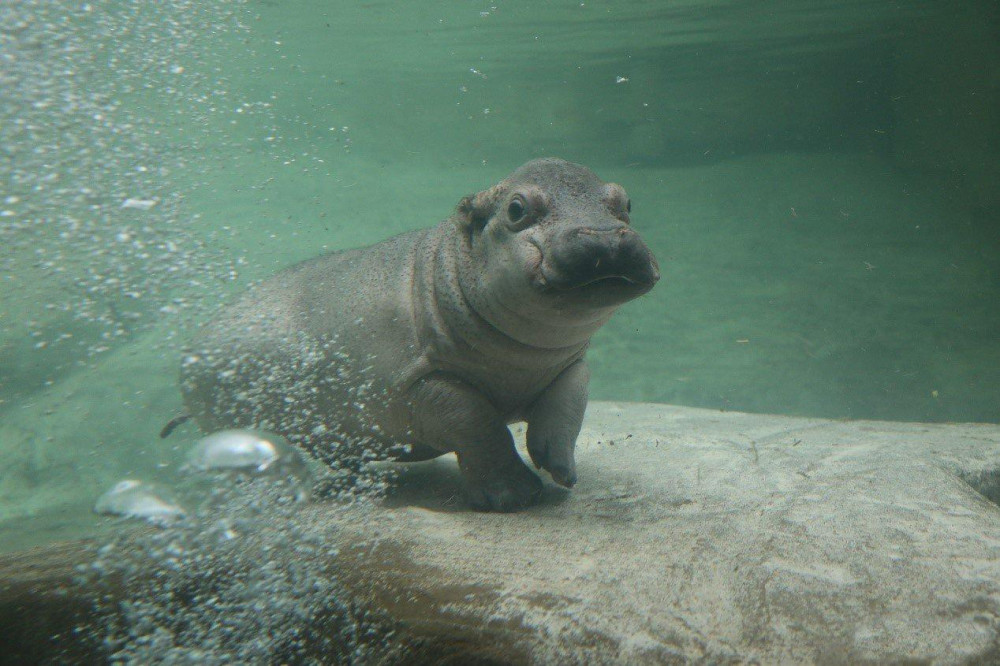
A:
[109,118]
[228,456]
[106,113]
[311,389]
[239,578]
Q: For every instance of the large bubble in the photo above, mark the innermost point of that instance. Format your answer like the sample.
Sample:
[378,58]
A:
[249,450]
[137,499]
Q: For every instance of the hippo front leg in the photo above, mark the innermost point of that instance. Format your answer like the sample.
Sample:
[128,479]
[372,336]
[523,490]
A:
[554,421]
[449,415]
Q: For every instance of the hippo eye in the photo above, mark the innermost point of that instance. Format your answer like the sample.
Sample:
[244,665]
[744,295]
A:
[515,210]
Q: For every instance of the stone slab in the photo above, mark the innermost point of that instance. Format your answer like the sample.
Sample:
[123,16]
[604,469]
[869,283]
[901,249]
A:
[692,535]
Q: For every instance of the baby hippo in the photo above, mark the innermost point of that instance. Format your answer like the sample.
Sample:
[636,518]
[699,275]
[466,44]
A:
[435,340]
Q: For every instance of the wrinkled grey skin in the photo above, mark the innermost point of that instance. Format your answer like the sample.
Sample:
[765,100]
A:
[435,340]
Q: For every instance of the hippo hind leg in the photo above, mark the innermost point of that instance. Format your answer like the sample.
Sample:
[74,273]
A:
[446,414]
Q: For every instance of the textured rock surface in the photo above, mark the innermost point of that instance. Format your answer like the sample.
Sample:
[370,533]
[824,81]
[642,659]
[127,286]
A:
[705,534]
[692,534]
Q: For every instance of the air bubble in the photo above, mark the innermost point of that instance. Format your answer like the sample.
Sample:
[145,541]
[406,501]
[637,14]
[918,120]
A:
[247,450]
[139,499]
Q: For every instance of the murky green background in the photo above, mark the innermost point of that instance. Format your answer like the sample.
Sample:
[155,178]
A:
[818,181]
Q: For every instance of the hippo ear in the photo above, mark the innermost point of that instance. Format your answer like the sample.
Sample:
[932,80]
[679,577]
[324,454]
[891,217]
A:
[475,210]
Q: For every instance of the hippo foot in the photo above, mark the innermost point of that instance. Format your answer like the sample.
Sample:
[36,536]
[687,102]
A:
[508,489]
[557,461]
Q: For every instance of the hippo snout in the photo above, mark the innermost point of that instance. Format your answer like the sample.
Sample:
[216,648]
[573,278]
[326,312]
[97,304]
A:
[604,257]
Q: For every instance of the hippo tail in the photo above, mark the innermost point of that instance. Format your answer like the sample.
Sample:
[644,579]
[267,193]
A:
[172,424]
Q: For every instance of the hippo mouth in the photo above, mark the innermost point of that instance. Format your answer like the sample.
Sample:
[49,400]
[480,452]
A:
[622,281]
[604,288]
[618,276]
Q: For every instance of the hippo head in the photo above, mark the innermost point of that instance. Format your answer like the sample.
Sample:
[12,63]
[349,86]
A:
[549,253]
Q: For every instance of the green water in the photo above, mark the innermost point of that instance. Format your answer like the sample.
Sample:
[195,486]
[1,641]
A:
[817,180]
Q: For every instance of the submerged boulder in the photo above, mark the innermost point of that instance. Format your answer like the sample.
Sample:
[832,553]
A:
[691,535]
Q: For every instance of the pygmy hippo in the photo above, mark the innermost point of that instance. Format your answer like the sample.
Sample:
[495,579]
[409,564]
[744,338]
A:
[435,340]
